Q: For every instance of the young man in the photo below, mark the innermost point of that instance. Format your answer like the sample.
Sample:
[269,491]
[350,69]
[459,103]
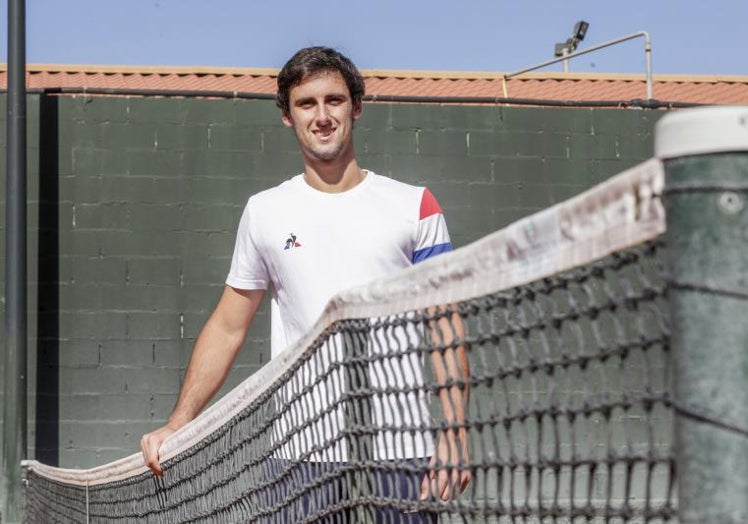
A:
[331,228]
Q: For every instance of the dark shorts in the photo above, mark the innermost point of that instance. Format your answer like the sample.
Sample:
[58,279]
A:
[334,493]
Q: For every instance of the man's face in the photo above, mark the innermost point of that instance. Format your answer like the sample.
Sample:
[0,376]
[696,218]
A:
[322,113]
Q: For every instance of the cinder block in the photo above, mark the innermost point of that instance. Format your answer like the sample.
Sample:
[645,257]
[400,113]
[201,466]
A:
[77,353]
[262,113]
[468,118]
[96,270]
[87,161]
[156,163]
[401,142]
[92,325]
[442,143]
[406,117]
[80,296]
[130,136]
[464,169]
[211,217]
[159,271]
[113,109]
[208,111]
[235,138]
[211,243]
[494,196]
[277,140]
[155,110]
[451,195]
[95,216]
[415,169]
[153,325]
[171,353]
[155,217]
[377,163]
[141,297]
[207,269]
[370,142]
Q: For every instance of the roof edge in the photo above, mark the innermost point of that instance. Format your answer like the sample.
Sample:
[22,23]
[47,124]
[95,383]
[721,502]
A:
[381,73]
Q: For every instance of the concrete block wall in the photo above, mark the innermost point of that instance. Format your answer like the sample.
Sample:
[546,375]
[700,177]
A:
[134,206]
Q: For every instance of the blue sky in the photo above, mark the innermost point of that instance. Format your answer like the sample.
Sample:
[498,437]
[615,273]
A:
[688,36]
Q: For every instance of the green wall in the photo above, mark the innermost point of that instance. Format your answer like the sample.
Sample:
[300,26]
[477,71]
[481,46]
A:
[134,204]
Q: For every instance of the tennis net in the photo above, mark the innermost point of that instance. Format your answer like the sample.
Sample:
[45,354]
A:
[530,368]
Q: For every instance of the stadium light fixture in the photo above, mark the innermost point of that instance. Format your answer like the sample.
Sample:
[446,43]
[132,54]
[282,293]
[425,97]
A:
[580,30]
[571,43]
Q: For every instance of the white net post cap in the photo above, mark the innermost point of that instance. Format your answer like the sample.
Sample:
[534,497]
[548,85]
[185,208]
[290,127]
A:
[701,131]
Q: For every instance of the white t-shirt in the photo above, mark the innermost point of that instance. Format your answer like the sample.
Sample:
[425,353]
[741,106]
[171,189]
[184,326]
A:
[307,245]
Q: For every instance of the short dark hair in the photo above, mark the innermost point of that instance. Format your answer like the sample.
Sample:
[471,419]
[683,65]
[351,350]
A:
[314,60]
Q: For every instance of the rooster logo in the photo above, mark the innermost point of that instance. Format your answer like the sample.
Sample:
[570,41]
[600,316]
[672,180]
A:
[291,242]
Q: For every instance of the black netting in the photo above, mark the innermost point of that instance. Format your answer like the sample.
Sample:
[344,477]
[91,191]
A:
[563,417]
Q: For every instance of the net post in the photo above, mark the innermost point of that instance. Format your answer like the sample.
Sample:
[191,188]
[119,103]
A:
[705,155]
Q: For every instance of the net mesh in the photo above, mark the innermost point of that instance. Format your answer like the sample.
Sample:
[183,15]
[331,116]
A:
[442,395]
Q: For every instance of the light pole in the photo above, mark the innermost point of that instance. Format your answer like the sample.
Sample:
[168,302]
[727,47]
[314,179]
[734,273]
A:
[14,400]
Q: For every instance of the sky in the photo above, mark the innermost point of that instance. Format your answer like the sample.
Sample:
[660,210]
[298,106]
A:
[687,36]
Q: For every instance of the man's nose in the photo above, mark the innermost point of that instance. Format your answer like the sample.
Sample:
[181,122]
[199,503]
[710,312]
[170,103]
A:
[323,115]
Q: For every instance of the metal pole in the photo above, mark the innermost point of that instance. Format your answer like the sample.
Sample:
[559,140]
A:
[705,153]
[565,58]
[648,57]
[14,400]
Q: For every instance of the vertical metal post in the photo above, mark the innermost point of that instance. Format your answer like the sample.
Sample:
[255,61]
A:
[705,152]
[648,58]
[14,400]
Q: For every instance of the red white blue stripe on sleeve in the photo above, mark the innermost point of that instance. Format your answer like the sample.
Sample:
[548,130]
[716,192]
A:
[433,237]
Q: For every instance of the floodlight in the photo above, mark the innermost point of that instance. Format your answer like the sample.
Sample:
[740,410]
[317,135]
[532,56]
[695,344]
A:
[577,35]
[580,29]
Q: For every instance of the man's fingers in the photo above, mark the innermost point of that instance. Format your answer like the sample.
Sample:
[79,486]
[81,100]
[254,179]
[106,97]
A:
[426,486]
[465,477]
[149,446]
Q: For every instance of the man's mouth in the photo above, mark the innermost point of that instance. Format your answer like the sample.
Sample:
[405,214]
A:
[324,134]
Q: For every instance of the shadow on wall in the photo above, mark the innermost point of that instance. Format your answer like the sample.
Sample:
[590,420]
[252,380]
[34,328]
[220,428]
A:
[48,300]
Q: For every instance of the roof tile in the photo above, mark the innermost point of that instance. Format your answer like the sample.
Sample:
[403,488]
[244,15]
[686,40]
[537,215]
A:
[563,87]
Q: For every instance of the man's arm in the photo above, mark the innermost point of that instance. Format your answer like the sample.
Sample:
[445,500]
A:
[212,356]
[450,363]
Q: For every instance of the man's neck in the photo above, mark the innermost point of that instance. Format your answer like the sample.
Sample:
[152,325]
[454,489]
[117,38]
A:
[334,177]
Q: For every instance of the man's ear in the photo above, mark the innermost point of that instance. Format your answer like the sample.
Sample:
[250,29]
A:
[357,110]
[286,119]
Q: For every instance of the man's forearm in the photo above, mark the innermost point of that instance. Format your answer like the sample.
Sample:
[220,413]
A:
[214,353]
[211,361]
[451,363]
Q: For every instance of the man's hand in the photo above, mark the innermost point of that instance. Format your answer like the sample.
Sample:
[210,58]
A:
[447,477]
[150,445]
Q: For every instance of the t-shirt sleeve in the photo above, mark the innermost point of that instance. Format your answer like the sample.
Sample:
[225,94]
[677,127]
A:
[433,237]
[248,270]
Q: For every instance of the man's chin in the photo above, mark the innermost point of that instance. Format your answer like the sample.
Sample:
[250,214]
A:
[326,155]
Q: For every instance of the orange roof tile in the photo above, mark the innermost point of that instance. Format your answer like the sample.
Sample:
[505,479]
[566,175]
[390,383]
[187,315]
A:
[474,87]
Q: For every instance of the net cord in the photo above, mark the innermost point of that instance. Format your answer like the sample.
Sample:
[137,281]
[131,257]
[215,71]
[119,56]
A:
[622,212]
[689,413]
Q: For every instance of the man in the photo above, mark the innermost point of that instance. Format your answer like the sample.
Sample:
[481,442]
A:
[331,228]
